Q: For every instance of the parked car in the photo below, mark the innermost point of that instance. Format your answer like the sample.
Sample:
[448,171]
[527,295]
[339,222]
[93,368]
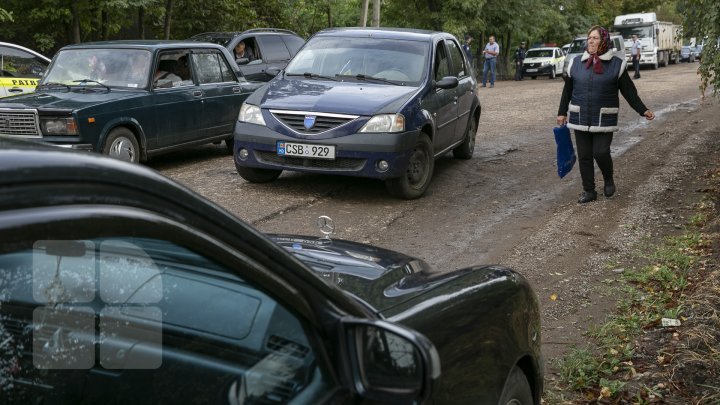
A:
[546,61]
[132,99]
[120,286]
[578,45]
[20,69]
[377,103]
[273,48]
[687,53]
[565,48]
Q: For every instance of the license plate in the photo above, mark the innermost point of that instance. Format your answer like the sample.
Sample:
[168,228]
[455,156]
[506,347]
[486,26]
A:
[531,70]
[307,150]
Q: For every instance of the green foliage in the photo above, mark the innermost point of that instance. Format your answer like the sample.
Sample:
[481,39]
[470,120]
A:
[701,19]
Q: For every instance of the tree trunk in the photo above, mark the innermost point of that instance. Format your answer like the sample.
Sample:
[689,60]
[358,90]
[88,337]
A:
[75,21]
[104,21]
[329,14]
[364,13]
[168,15]
[376,13]
[141,22]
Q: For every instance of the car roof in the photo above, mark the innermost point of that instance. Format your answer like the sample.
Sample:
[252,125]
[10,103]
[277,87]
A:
[543,48]
[144,44]
[16,46]
[233,34]
[385,33]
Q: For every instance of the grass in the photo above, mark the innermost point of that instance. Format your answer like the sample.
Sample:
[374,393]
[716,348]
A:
[647,294]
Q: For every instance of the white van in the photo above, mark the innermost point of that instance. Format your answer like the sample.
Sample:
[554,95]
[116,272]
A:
[578,45]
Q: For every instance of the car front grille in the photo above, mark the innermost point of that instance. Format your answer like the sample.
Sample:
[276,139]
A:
[532,65]
[296,120]
[337,164]
[19,123]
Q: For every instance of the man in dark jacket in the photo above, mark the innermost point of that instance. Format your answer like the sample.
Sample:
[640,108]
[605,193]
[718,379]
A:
[519,58]
[468,51]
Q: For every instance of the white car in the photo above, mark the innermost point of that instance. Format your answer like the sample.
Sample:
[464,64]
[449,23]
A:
[546,61]
[20,69]
[578,45]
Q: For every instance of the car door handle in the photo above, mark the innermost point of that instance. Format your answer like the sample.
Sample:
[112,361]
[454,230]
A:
[197,93]
[237,90]
[15,90]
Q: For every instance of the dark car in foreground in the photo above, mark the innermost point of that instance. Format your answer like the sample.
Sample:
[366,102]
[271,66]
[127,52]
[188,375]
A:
[272,49]
[131,99]
[119,286]
[378,103]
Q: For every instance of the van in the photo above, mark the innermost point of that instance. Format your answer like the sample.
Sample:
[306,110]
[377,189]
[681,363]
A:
[578,45]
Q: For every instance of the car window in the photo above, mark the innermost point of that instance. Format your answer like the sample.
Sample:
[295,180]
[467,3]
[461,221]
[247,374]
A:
[18,63]
[212,67]
[146,307]
[112,67]
[539,53]
[273,48]
[293,43]
[578,46]
[457,58]
[441,65]
[172,70]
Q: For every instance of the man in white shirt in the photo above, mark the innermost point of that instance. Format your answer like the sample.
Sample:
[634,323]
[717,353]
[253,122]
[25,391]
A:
[491,51]
[635,52]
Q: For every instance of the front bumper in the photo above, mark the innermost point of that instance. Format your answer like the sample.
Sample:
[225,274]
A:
[355,155]
[538,71]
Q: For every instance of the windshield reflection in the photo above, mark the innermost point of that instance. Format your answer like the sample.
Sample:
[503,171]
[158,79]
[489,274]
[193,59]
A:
[399,61]
[128,68]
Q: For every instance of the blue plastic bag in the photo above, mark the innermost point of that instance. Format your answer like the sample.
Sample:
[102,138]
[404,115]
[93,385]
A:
[565,152]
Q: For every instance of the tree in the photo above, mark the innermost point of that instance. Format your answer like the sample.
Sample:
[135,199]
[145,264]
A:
[701,19]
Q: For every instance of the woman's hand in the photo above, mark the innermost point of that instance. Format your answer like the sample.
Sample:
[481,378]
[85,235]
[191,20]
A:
[649,115]
[562,120]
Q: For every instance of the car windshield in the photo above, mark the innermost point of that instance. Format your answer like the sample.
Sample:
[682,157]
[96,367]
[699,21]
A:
[399,61]
[100,67]
[578,46]
[539,53]
[641,32]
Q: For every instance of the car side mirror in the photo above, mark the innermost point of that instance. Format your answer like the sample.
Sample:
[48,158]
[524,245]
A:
[447,82]
[273,71]
[390,363]
[242,61]
[163,83]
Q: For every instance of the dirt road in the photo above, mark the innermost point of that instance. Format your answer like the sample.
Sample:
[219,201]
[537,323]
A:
[507,204]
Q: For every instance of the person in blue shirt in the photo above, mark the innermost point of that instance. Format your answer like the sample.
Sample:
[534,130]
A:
[491,51]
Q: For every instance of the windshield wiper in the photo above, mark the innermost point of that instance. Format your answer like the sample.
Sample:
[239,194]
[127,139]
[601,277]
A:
[312,76]
[86,81]
[378,79]
[53,84]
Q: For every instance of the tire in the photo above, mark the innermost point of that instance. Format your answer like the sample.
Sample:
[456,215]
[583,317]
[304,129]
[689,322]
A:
[465,150]
[121,144]
[230,144]
[418,173]
[516,390]
[552,74]
[254,175]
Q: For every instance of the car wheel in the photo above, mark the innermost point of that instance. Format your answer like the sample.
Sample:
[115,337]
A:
[552,74]
[418,173]
[254,175]
[230,144]
[516,390]
[122,144]
[465,150]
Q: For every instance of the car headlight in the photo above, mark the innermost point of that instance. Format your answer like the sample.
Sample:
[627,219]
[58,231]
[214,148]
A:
[545,63]
[251,114]
[385,123]
[58,126]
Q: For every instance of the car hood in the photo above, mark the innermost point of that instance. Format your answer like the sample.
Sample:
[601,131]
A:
[380,278]
[68,100]
[358,98]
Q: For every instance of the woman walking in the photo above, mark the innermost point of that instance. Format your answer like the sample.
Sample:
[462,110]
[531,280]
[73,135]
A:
[590,96]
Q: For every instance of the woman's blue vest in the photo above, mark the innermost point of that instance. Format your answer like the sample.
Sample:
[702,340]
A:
[594,102]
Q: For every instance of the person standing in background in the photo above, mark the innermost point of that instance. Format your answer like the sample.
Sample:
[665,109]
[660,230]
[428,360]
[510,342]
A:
[519,58]
[491,51]
[635,52]
[468,51]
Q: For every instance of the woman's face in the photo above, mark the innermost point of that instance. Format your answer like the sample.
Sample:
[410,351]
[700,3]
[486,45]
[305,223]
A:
[593,41]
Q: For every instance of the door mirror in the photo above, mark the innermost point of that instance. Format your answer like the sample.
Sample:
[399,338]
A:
[273,71]
[447,82]
[391,363]
[242,61]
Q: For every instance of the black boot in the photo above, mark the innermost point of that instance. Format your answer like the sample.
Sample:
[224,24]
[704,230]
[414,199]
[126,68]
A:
[587,196]
[609,188]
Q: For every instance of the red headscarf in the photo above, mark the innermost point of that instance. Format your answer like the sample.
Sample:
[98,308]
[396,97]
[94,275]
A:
[603,47]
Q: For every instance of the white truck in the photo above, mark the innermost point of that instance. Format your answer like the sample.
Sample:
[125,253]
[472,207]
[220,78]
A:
[660,40]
